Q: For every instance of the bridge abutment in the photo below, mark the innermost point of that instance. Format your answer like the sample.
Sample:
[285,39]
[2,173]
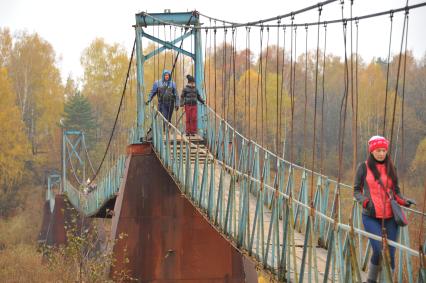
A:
[53,230]
[162,237]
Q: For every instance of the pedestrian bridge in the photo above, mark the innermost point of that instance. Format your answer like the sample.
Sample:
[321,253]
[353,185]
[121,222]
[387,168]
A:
[255,201]
[219,206]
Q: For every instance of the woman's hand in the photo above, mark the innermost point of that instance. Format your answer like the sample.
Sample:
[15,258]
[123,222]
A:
[409,202]
[371,209]
[369,206]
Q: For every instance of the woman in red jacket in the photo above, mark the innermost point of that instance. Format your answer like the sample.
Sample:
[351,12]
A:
[375,179]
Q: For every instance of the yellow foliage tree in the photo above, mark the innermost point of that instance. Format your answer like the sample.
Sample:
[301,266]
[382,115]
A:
[5,46]
[418,165]
[105,68]
[14,147]
[39,94]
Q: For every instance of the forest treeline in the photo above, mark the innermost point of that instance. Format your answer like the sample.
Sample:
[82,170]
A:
[33,101]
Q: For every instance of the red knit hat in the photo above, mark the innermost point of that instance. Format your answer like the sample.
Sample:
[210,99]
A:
[377,142]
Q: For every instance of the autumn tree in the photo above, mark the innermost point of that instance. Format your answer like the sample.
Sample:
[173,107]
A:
[5,46]
[418,165]
[37,84]
[71,87]
[14,147]
[105,68]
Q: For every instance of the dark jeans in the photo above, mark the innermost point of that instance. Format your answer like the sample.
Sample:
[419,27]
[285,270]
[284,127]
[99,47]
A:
[166,110]
[374,226]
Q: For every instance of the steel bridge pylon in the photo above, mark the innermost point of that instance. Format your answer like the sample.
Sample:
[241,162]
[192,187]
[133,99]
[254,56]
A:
[190,20]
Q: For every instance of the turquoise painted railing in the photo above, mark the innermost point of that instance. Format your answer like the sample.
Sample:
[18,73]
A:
[89,202]
[259,204]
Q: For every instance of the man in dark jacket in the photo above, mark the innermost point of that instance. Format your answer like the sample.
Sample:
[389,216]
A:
[168,98]
[189,98]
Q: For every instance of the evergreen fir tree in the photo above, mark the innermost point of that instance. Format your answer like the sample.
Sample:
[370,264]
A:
[79,116]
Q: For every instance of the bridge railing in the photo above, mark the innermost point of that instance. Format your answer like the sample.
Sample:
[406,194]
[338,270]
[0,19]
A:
[281,202]
[221,133]
[89,200]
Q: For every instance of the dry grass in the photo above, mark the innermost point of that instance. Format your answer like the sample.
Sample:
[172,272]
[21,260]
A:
[22,263]
[24,226]
[20,260]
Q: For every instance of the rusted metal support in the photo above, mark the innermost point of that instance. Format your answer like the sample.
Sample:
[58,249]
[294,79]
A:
[58,225]
[162,237]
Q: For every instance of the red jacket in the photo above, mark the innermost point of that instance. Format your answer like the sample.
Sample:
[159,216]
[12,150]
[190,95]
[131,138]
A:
[367,189]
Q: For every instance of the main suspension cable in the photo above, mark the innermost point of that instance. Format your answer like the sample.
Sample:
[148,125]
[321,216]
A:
[253,23]
[116,116]
[291,14]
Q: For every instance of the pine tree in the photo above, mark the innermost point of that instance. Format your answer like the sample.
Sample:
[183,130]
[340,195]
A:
[79,116]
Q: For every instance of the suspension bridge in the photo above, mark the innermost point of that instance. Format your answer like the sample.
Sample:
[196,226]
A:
[222,206]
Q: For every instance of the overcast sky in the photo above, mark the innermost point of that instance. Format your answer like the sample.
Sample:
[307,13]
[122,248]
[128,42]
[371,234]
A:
[70,26]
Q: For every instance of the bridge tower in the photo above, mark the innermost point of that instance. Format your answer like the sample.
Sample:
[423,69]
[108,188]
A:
[72,141]
[52,180]
[46,236]
[190,22]
[56,211]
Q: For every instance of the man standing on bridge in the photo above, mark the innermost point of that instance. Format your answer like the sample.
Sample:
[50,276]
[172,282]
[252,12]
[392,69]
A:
[168,97]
